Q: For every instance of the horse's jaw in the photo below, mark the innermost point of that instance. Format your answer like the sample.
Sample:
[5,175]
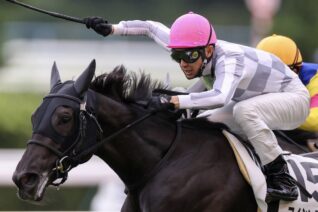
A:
[35,195]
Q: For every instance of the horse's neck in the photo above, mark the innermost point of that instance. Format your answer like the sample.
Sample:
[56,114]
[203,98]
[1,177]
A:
[136,151]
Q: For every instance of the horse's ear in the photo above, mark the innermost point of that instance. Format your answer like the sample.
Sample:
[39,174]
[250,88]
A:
[55,76]
[83,81]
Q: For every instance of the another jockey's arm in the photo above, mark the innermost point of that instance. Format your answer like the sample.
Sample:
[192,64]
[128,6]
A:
[311,122]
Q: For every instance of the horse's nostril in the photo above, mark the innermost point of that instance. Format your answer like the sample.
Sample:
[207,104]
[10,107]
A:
[28,179]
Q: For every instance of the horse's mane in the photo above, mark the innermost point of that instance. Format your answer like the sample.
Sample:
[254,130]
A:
[125,87]
[131,87]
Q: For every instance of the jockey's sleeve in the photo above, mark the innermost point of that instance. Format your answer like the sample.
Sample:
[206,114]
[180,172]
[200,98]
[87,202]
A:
[154,30]
[228,74]
[196,87]
[311,122]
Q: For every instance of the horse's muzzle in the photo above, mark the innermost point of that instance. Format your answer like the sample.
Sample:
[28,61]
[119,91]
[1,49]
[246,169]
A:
[27,184]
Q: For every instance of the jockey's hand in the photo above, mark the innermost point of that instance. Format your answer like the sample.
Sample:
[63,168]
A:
[99,25]
[161,103]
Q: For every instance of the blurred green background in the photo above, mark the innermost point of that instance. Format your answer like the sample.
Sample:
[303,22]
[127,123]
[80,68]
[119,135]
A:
[30,42]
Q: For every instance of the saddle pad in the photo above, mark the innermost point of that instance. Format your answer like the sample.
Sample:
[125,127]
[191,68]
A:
[303,169]
[251,172]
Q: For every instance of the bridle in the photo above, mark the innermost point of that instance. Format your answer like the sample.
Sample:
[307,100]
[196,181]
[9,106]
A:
[70,158]
[67,159]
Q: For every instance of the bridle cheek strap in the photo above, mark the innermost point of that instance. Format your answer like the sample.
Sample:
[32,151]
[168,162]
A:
[65,160]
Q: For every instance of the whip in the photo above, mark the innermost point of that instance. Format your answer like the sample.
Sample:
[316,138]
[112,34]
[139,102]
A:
[54,14]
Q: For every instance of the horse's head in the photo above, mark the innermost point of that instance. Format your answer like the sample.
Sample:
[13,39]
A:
[60,124]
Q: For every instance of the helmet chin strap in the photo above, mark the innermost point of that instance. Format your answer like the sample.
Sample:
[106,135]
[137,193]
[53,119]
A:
[205,61]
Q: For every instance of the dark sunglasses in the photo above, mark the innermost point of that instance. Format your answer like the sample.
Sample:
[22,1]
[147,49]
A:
[188,56]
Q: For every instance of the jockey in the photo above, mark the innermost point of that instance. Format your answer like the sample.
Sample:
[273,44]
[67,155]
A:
[287,50]
[259,90]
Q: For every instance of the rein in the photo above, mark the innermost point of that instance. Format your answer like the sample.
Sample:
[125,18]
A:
[118,132]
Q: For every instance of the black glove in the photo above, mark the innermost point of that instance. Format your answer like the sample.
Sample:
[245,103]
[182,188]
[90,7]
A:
[161,103]
[99,25]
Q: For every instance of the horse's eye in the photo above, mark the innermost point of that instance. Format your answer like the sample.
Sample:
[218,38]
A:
[65,119]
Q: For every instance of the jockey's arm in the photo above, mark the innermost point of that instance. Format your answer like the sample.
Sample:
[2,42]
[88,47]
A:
[154,30]
[196,87]
[222,92]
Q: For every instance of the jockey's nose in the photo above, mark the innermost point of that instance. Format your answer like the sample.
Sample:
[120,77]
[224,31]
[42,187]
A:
[183,63]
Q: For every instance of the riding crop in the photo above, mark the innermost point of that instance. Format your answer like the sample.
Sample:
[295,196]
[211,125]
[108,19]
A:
[54,14]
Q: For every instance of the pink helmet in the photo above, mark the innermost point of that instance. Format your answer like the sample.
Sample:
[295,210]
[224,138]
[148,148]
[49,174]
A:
[191,30]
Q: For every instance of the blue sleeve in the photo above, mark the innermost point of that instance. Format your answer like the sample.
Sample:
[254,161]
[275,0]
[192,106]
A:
[307,71]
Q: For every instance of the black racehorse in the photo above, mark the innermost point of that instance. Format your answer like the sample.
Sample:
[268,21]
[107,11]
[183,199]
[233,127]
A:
[166,164]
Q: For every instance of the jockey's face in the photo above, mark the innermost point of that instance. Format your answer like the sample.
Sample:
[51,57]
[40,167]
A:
[190,60]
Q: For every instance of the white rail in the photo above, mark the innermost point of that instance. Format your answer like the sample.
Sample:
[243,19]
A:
[30,70]
[90,173]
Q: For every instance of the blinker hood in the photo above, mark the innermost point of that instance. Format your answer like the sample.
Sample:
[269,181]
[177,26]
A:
[42,118]
[70,94]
